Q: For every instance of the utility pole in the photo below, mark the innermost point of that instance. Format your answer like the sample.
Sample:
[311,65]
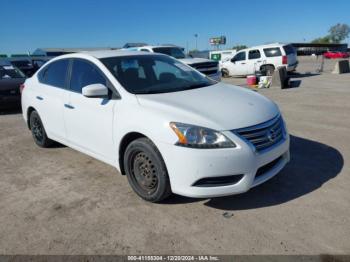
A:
[196,36]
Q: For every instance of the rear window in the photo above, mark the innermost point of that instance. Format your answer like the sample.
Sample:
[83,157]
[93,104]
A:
[55,74]
[272,52]
[289,49]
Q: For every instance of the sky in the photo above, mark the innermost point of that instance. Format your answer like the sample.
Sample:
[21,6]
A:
[27,25]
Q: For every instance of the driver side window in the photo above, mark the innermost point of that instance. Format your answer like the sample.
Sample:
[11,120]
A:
[83,74]
[239,57]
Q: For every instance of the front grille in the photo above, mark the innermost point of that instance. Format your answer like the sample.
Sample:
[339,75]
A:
[264,135]
[206,68]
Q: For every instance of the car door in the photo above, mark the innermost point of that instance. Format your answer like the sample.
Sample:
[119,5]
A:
[89,121]
[238,65]
[254,61]
[49,97]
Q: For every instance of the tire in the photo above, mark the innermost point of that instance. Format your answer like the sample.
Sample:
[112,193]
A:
[269,69]
[38,131]
[224,73]
[146,171]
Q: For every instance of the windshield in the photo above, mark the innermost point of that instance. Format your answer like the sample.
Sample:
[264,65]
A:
[9,72]
[152,74]
[175,52]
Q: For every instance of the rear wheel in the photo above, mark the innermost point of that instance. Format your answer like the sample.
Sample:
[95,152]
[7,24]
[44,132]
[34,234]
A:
[146,170]
[269,69]
[38,131]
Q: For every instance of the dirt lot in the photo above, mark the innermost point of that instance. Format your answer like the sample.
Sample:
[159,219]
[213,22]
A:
[59,201]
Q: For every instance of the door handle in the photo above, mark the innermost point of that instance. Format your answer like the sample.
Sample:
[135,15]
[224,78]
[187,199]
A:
[259,61]
[68,106]
[39,98]
[242,63]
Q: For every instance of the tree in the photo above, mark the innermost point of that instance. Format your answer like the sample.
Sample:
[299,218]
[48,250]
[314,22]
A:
[322,40]
[239,47]
[339,32]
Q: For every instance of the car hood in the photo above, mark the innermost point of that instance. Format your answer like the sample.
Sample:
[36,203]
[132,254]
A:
[190,61]
[220,106]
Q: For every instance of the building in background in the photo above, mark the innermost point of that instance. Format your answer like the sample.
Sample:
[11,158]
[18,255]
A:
[62,51]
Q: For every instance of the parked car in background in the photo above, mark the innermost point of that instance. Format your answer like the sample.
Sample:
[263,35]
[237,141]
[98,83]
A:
[208,67]
[24,64]
[335,55]
[39,61]
[53,52]
[11,78]
[29,65]
[264,58]
[222,55]
[159,121]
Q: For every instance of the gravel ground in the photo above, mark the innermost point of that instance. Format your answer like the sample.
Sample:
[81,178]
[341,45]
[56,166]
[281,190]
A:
[59,201]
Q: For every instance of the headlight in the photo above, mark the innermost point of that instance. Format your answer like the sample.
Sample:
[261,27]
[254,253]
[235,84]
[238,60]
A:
[200,137]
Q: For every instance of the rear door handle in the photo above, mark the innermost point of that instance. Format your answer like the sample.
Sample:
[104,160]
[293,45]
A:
[39,98]
[68,106]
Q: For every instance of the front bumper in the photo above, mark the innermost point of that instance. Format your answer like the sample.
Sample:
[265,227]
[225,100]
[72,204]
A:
[186,166]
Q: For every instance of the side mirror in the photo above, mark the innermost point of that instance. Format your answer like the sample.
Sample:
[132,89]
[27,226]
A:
[233,60]
[95,90]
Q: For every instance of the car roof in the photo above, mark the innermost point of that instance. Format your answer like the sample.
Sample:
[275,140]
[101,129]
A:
[157,46]
[264,46]
[114,53]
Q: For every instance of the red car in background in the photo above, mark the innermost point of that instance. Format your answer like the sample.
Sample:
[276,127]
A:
[333,55]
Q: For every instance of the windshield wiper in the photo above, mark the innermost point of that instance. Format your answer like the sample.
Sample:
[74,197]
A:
[198,85]
[143,92]
[167,90]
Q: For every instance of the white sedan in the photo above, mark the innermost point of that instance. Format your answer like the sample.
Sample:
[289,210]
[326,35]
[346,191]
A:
[167,127]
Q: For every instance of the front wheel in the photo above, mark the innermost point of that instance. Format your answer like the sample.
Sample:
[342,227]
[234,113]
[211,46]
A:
[146,170]
[38,130]
[225,73]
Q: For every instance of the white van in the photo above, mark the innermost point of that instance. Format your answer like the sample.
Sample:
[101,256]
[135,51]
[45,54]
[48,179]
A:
[261,58]
[222,55]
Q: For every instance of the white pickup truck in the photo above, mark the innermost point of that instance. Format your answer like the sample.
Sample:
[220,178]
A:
[207,67]
[260,58]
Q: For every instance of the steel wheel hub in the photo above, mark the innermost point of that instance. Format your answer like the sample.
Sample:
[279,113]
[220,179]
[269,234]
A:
[37,129]
[145,172]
